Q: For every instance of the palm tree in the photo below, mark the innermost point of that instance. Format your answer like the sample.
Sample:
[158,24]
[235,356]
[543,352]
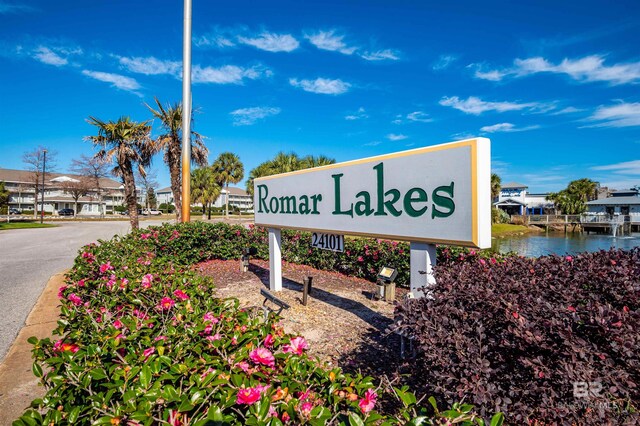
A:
[229,169]
[310,161]
[204,188]
[171,142]
[126,143]
[496,186]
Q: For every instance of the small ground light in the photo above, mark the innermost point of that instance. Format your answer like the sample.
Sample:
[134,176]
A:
[386,286]
[247,252]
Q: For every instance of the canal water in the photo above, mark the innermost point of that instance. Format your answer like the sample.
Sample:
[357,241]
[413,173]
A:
[534,245]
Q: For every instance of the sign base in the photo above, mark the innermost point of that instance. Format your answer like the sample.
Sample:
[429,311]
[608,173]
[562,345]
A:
[423,258]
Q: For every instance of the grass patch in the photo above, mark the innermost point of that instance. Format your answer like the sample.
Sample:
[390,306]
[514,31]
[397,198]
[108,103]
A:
[24,225]
[502,229]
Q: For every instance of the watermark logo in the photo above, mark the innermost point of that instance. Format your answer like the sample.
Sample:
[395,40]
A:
[586,390]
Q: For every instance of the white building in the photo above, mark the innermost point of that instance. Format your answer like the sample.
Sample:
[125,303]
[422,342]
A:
[625,203]
[237,198]
[20,184]
[514,199]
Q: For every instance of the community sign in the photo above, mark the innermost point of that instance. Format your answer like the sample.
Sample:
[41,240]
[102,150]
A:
[438,194]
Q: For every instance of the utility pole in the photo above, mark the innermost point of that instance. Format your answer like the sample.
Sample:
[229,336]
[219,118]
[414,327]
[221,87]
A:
[186,114]
[44,168]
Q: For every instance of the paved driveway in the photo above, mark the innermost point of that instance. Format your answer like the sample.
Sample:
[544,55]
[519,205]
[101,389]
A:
[28,257]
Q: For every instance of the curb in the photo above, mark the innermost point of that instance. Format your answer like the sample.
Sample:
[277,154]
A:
[18,385]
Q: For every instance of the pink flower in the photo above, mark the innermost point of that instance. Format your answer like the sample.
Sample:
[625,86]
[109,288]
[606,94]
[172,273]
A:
[248,396]
[105,267]
[296,346]
[148,352]
[213,338]
[60,346]
[305,408]
[118,324]
[89,256]
[569,259]
[175,418]
[483,262]
[166,303]
[181,295]
[81,283]
[144,236]
[367,403]
[209,317]
[360,259]
[73,298]
[269,340]
[147,280]
[262,356]
[163,338]
[61,291]
[243,365]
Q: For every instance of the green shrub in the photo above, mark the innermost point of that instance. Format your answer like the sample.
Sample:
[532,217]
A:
[142,340]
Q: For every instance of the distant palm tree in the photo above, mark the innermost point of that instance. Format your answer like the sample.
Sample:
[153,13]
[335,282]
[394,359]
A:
[496,186]
[126,143]
[204,188]
[171,142]
[228,169]
[284,163]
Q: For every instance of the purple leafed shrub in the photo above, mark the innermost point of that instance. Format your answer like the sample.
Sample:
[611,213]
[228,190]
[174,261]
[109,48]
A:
[553,340]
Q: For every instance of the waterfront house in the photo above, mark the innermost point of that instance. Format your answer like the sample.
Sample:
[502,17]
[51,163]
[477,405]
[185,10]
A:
[624,203]
[514,199]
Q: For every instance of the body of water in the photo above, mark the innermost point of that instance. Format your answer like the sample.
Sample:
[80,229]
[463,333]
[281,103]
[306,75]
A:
[534,245]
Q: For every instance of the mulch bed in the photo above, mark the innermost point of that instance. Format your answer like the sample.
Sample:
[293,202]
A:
[343,325]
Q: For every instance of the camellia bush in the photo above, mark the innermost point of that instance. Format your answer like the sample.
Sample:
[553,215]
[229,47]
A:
[143,340]
[553,340]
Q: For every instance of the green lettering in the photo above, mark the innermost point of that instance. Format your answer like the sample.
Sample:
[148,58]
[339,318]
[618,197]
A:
[442,201]
[262,198]
[336,187]
[304,205]
[286,204]
[395,196]
[409,199]
[271,205]
[316,199]
[363,208]
[379,168]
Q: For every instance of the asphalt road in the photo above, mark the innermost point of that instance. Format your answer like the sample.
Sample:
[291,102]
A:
[29,257]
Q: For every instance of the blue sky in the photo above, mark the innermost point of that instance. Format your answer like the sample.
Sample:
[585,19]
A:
[554,85]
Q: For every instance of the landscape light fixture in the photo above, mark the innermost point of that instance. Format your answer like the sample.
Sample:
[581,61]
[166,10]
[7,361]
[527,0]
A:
[247,252]
[385,283]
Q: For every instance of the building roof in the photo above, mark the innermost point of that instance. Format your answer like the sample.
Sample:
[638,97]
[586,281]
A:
[233,190]
[164,190]
[615,201]
[512,185]
[26,177]
[509,202]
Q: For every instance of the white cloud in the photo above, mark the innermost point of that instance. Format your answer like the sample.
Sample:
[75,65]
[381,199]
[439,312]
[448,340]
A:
[216,40]
[329,40]
[47,56]
[227,74]
[419,117]
[443,62]
[380,55]
[116,80]
[395,137]
[626,167]
[568,110]
[476,106]
[7,8]
[249,116]
[151,66]
[620,115]
[372,143]
[272,42]
[587,69]
[323,86]
[359,115]
[506,127]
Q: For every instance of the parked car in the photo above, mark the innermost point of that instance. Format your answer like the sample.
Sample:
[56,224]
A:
[65,212]
[153,212]
[14,211]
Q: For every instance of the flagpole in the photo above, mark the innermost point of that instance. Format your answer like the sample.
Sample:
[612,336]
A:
[186,114]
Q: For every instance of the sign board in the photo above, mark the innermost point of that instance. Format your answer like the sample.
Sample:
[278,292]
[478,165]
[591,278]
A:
[438,194]
[333,242]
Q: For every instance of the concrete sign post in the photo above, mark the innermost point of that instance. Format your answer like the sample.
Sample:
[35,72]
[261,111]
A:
[432,195]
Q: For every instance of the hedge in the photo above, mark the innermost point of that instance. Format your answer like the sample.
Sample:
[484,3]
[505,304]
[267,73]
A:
[142,339]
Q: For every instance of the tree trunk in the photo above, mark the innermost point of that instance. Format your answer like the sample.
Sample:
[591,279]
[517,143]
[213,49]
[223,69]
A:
[130,195]
[226,201]
[176,186]
[209,209]
[75,209]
